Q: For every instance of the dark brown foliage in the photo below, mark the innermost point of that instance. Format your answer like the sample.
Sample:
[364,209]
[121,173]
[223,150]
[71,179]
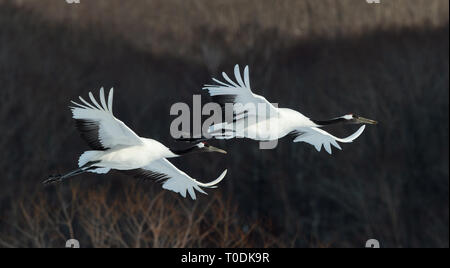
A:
[324,58]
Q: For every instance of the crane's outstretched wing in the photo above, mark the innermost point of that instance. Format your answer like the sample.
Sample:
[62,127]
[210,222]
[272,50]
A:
[246,102]
[318,137]
[98,126]
[173,178]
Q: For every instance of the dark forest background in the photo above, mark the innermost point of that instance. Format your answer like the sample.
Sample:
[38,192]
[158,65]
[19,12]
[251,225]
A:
[325,58]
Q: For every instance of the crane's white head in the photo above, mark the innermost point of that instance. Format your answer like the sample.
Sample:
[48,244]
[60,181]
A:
[205,147]
[200,145]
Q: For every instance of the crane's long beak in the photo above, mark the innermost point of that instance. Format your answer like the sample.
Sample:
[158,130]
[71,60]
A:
[362,120]
[217,150]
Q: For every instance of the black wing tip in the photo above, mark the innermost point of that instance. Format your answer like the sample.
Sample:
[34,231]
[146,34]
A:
[146,175]
[224,99]
[89,132]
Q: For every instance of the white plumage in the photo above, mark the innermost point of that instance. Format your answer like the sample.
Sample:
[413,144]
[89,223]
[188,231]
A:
[117,147]
[256,118]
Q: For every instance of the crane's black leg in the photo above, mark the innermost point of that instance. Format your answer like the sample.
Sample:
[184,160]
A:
[78,171]
[59,178]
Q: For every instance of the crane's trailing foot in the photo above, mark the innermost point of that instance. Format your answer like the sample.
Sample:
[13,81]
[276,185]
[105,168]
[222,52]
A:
[53,179]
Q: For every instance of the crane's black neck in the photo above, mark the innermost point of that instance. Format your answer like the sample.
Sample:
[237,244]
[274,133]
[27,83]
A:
[189,150]
[330,122]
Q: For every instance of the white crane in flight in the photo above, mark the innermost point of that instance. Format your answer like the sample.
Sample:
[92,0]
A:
[115,146]
[270,122]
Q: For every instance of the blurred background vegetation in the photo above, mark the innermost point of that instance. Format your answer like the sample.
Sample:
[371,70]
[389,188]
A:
[385,61]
